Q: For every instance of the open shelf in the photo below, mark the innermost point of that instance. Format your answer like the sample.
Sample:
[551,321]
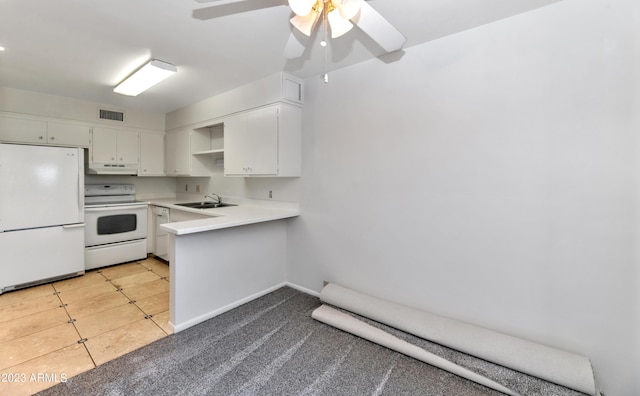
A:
[209,152]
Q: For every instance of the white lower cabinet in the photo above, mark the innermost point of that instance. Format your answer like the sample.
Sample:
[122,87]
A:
[263,142]
[182,215]
[160,238]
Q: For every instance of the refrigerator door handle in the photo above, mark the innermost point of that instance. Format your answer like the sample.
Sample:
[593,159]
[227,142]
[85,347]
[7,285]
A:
[78,225]
[81,184]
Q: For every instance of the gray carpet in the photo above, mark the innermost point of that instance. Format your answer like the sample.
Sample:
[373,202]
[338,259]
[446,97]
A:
[272,346]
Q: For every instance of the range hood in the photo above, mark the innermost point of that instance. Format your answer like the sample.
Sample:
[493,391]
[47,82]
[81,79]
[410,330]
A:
[112,169]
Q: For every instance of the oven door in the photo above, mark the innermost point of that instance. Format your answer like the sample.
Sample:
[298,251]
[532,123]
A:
[111,224]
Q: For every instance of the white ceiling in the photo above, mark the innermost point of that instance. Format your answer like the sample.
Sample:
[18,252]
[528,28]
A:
[83,48]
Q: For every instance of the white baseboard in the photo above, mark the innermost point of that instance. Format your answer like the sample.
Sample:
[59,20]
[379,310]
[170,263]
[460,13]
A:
[303,289]
[221,310]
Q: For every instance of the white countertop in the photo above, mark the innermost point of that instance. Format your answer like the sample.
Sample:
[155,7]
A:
[247,212]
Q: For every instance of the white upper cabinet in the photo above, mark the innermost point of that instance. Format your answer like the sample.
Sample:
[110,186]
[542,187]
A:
[257,128]
[181,145]
[263,142]
[128,147]
[113,146]
[68,134]
[36,131]
[151,154]
[251,143]
[291,90]
[23,130]
[177,148]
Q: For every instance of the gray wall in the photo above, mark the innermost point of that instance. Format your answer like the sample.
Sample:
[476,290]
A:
[489,176]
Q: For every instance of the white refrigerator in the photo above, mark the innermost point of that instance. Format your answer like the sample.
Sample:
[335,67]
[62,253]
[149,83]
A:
[41,214]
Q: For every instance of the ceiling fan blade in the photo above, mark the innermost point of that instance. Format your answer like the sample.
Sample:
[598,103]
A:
[294,48]
[378,28]
[236,7]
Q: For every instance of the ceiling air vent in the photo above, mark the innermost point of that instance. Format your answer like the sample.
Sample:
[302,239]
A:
[111,115]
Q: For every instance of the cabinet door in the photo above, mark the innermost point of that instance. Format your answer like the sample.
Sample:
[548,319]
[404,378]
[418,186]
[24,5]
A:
[170,165]
[251,143]
[68,134]
[178,153]
[151,155]
[23,131]
[127,147]
[262,141]
[234,145]
[104,145]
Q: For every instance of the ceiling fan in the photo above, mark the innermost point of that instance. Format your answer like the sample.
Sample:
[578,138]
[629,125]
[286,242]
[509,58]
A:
[338,16]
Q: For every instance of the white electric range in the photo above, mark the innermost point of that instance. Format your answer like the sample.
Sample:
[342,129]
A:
[115,225]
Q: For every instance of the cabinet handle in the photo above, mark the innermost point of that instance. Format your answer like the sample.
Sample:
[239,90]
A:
[52,138]
[120,158]
[41,137]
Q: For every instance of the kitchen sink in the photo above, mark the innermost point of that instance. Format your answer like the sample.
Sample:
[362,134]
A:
[205,205]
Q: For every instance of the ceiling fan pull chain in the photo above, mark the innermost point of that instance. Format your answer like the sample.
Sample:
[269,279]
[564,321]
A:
[325,44]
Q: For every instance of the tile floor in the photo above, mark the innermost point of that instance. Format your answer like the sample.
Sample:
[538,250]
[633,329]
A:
[58,330]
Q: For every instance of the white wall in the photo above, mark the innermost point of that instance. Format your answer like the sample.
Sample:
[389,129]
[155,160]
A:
[44,105]
[255,94]
[26,102]
[65,108]
[146,187]
[283,189]
[489,176]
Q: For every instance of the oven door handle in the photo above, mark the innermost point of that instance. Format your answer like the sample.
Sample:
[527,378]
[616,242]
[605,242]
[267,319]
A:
[76,225]
[112,208]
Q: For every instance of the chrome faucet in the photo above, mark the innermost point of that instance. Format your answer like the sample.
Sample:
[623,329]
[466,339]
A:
[217,198]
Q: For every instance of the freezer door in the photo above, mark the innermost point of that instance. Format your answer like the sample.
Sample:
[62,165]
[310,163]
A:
[41,186]
[41,254]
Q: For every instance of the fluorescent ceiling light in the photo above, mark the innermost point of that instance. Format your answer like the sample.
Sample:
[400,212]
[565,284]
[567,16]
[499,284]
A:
[145,77]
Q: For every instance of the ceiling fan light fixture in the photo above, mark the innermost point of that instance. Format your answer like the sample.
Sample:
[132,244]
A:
[306,23]
[339,26]
[348,8]
[302,7]
[146,77]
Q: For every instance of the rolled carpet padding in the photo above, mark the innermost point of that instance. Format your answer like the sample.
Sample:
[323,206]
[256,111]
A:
[361,329]
[553,365]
